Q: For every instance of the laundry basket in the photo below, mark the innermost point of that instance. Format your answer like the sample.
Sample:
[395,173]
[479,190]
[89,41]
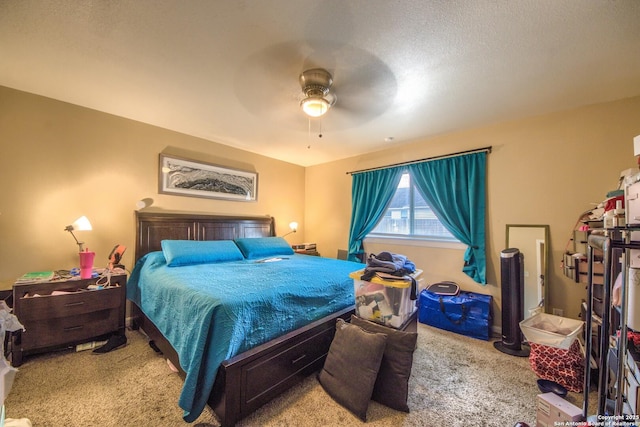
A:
[551,330]
[555,353]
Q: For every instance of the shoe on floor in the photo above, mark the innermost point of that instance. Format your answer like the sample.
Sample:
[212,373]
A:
[114,342]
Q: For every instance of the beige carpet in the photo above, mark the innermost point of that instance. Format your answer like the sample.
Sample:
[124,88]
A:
[456,381]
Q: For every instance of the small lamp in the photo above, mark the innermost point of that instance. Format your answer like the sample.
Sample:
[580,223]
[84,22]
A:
[293,226]
[80,224]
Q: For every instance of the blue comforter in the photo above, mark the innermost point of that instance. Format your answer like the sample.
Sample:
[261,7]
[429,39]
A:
[212,312]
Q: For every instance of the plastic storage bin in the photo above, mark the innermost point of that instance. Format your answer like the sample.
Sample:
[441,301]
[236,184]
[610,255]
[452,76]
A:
[551,330]
[387,302]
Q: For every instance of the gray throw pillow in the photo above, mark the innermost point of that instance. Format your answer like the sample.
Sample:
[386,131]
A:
[351,367]
[392,385]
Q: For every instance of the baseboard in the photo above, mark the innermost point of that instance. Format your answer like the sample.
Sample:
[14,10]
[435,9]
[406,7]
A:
[128,322]
[496,331]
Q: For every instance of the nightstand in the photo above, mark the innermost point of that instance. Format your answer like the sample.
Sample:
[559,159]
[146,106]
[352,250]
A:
[306,249]
[75,314]
[311,252]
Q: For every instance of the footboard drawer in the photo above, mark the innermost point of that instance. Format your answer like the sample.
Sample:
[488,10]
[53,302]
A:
[266,375]
[251,379]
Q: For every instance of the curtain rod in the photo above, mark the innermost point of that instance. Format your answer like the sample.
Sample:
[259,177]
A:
[426,159]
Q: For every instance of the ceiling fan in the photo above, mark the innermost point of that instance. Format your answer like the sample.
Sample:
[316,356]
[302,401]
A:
[316,85]
[290,75]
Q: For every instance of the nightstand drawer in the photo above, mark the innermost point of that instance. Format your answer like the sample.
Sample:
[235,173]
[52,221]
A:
[45,333]
[50,307]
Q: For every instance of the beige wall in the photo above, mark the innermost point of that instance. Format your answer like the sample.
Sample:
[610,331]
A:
[542,170]
[59,161]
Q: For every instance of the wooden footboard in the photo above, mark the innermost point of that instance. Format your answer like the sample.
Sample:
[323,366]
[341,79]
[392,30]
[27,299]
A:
[249,380]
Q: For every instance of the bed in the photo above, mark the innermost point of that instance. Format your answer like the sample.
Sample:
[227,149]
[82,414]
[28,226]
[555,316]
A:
[257,324]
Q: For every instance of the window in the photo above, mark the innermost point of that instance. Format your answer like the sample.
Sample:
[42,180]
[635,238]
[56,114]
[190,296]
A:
[409,215]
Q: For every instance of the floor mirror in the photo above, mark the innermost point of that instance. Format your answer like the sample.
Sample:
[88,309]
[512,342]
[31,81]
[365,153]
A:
[532,241]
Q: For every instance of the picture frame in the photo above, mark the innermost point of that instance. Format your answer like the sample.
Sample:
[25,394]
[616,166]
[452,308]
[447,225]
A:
[194,178]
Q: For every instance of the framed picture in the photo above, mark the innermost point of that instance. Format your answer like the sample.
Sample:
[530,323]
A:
[193,178]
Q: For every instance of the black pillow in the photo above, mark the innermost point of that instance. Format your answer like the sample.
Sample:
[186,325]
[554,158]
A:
[392,386]
[351,367]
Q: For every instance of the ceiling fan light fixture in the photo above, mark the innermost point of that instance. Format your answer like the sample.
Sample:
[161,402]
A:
[316,84]
[315,106]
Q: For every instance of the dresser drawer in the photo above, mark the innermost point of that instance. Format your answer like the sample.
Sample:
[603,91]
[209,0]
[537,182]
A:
[52,332]
[49,307]
[267,374]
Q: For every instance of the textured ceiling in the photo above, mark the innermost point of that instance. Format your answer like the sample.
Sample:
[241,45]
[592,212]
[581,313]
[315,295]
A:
[227,71]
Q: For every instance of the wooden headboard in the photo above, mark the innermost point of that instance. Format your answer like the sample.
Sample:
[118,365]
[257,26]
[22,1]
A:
[153,227]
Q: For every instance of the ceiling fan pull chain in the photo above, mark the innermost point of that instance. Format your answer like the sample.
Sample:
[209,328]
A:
[309,131]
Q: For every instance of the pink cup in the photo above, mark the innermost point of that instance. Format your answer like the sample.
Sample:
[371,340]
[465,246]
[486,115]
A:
[86,264]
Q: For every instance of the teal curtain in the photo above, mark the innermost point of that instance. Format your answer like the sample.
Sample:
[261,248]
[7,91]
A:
[454,187]
[371,193]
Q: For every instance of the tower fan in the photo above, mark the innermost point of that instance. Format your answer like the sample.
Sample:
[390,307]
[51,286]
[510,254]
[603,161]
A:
[512,284]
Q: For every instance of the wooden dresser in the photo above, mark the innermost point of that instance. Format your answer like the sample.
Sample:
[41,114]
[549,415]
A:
[54,321]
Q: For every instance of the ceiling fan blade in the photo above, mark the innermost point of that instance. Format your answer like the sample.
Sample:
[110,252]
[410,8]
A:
[365,91]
